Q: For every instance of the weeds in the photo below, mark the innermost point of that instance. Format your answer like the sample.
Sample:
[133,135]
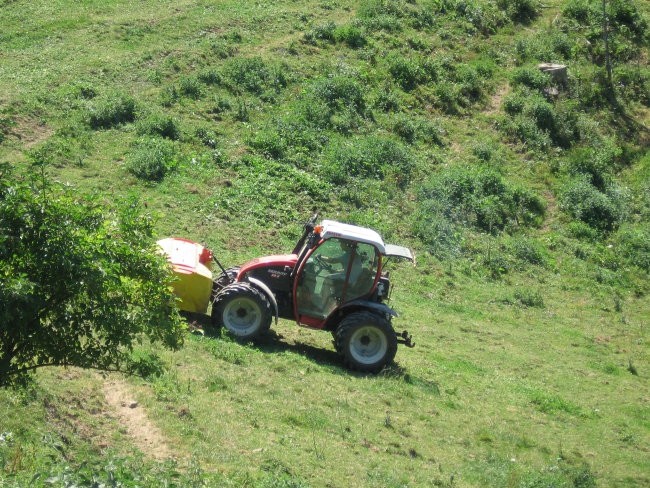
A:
[111,111]
[152,159]
[159,125]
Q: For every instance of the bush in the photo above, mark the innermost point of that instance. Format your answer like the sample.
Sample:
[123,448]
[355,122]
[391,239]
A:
[159,125]
[528,251]
[634,246]
[253,75]
[387,99]
[523,11]
[78,286]
[335,102]
[111,111]
[210,77]
[207,137]
[538,123]
[582,231]
[483,17]
[152,159]
[393,15]
[530,77]
[583,201]
[190,87]
[411,129]
[443,239]
[339,92]
[479,197]
[633,83]
[627,26]
[529,298]
[351,35]
[269,143]
[321,32]
[407,72]
[367,157]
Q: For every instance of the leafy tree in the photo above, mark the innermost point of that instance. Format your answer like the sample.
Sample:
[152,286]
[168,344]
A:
[78,287]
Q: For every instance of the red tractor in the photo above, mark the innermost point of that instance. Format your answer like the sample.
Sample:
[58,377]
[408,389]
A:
[333,280]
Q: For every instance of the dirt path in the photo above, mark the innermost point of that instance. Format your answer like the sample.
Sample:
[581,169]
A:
[146,436]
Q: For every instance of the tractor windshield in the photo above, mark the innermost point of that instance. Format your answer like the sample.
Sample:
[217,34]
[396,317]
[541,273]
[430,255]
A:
[337,272]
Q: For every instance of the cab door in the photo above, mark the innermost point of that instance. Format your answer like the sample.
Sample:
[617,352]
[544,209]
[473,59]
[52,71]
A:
[336,272]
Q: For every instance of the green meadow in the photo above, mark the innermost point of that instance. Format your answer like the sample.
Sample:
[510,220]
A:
[525,197]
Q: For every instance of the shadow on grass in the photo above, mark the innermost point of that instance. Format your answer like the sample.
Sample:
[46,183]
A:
[273,343]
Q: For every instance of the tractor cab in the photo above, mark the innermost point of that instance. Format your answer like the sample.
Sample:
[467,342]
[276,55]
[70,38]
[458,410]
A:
[343,266]
[332,280]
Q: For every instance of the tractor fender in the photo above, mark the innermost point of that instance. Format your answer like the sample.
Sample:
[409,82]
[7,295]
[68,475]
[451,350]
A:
[267,291]
[374,306]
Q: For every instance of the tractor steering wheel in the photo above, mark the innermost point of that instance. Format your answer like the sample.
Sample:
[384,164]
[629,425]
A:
[323,264]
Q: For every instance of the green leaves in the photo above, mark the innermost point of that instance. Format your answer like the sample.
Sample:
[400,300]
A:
[77,287]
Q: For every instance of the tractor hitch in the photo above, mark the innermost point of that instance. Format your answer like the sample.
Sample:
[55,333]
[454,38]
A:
[406,339]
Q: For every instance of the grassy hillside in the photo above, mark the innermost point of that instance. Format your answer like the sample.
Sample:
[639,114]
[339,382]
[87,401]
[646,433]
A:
[526,199]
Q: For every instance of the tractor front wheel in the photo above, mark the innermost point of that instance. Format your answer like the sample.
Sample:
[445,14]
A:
[366,341]
[242,309]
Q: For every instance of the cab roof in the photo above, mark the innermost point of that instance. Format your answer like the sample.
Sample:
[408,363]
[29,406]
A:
[333,229]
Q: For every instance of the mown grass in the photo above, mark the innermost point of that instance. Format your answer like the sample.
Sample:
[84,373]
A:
[231,121]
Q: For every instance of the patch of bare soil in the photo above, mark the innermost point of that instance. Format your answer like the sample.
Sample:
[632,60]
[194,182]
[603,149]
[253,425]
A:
[146,436]
[495,102]
[30,132]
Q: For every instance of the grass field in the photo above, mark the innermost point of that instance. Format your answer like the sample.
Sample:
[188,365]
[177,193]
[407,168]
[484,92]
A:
[426,120]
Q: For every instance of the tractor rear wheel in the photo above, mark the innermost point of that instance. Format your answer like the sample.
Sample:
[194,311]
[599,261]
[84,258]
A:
[242,309]
[366,341]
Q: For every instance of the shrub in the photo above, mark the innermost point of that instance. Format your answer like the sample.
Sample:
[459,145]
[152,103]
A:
[514,103]
[321,32]
[151,159]
[339,92]
[443,239]
[351,35]
[483,17]
[334,102]
[411,129]
[580,230]
[60,151]
[387,99]
[210,77]
[78,286]
[159,125]
[367,157]
[530,77]
[393,15]
[111,111]
[529,298]
[599,210]
[596,164]
[207,137]
[523,11]
[220,106]
[479,197]
[269,143]
[633,83]
[253,75]
[190,87]
[407,72]
[528,251]
[634,246]
[538,123]
[222,49]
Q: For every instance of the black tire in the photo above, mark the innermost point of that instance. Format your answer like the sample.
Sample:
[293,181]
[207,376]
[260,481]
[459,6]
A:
[366,341]
[242,309]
